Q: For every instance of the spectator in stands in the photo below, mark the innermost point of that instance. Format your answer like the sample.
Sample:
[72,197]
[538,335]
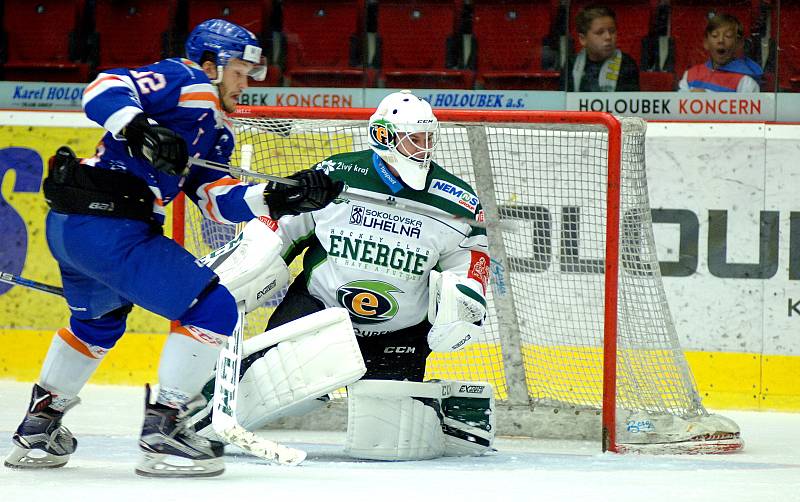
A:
[600,66]
[724,71]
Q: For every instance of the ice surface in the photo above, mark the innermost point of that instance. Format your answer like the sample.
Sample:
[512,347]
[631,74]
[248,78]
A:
[107,426]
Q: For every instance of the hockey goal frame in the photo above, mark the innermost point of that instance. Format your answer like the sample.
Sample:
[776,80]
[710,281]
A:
[518,403]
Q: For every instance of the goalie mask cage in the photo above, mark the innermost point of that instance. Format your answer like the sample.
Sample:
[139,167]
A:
[580,342]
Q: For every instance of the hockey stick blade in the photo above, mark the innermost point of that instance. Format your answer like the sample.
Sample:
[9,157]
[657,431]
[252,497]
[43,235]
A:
[21,281]
[506,225]
[223,415]
[261,447]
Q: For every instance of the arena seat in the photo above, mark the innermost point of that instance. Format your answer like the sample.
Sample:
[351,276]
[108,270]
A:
[252,14]
[509,44]
[657,81]
[688,20]
[44,40]
[419,45]
[325,43]
[132,33]
[789,45]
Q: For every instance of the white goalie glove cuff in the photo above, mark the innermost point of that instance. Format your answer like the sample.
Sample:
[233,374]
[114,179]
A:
[456,312]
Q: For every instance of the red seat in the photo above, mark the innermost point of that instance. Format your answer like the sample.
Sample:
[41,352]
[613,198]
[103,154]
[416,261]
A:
[789,46]
[414,45]
[656,81]
[688,21]
[253,15]
[324,43]
[43,40]
[134,33]
[509,38]
[633,24]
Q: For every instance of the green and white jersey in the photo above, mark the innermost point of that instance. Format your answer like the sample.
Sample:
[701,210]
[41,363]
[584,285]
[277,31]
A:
[375,261]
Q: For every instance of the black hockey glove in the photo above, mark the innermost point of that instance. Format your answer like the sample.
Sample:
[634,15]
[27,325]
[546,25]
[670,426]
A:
[315,191]
[162,147]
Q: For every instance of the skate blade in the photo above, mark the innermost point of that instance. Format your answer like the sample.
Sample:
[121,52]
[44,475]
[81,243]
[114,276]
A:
[24,458]
[159,465]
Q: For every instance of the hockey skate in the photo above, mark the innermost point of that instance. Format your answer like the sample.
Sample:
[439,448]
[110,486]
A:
[172,448]
[41,441]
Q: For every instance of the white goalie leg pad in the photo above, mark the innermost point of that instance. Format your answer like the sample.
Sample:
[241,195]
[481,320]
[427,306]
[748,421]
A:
[250,265]
[393,420]
[456,311]
[468,417]
[307,358]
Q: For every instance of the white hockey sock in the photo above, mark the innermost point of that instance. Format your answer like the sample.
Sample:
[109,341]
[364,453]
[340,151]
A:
[67,367]
[186,363]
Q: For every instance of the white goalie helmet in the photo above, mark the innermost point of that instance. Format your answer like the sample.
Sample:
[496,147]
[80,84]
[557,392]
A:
[404,132]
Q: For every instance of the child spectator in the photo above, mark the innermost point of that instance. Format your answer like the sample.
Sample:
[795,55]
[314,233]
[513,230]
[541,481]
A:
[600,66]
[724,71]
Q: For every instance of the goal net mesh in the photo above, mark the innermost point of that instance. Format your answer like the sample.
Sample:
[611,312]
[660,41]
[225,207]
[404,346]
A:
[546,301]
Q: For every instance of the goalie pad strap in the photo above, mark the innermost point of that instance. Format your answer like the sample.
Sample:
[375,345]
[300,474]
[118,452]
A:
[469,422]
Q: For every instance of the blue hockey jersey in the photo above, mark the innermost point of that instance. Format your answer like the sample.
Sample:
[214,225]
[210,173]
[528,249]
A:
[177,94]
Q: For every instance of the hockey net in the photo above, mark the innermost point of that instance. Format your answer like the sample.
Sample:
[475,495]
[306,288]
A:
[575,283]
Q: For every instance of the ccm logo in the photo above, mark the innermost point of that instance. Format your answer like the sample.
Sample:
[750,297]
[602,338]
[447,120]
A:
[471,389]
[399,350]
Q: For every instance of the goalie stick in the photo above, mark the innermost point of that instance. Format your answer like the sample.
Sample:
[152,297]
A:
[223,415]
[388,202]
[226,387]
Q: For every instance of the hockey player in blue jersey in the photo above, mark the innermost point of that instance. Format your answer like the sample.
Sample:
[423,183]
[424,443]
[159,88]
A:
[104,229]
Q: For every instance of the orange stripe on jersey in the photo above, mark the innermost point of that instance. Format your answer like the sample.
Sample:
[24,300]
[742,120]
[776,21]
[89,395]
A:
[200,96]
[77,344]
[220,182]
[100,81]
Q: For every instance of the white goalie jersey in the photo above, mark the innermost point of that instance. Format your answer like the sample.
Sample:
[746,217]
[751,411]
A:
[375,261]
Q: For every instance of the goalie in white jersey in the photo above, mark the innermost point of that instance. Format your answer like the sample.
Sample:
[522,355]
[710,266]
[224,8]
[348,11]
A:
[411,283]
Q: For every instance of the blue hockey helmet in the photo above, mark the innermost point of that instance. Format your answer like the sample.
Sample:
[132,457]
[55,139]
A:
[228,41]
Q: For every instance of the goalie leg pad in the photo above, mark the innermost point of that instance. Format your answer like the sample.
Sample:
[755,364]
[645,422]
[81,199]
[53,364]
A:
[295,364]
[468,418]
[392,420]
[250,266]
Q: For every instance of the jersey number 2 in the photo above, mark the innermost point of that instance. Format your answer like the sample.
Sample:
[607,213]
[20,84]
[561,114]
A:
[149,81]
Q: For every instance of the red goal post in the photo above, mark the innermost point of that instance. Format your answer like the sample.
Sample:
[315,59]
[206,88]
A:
[586,152]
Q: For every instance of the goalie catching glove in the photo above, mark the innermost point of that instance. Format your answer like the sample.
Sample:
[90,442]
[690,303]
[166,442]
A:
[161,146]
[456,312]
[314,190]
